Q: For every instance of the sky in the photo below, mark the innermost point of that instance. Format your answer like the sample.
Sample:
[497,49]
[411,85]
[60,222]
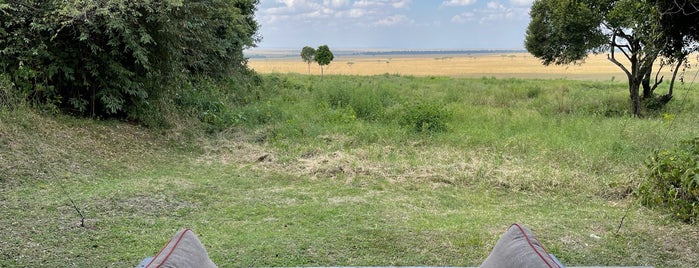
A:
[393,24]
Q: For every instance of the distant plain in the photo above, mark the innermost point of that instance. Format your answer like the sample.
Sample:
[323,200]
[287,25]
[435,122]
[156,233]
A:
[505,64]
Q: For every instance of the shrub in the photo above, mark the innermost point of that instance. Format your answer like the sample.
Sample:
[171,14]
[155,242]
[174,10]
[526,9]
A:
[425,117]
[111,58]
[673,181]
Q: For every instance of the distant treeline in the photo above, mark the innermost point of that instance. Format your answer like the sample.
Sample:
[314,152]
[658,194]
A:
[393,52]
[435,52]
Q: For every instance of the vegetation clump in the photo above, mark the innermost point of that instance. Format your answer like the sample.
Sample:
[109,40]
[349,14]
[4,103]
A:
[117,58]
[673,181]
[645,33]
[426,117]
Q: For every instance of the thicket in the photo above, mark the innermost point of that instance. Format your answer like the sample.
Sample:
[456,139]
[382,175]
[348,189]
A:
[120,58]
[673,181]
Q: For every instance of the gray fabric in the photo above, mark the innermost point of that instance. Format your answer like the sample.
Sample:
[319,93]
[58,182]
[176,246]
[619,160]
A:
[184,250]
[518,248]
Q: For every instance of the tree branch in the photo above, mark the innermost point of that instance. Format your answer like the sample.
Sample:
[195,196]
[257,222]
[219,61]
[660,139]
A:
[611,57]
[621,47]
[657,82]
[680,61]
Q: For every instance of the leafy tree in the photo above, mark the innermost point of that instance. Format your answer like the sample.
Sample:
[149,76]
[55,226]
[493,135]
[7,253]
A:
[566,31]
[680,23]
[323,57]
[307,54]
[115,58]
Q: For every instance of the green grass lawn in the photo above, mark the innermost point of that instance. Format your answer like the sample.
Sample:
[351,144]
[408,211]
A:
[305,172]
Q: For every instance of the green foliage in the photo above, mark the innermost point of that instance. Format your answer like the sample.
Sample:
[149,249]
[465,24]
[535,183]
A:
[323,56]
[111,58]
[308,55]
[223,103]
[337,97]
[673,181]
[565,31]
[680,26]
[425,117]
[635,34]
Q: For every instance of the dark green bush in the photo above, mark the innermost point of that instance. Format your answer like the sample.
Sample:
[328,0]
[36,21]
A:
[114,58]
[425,117]
[673,181]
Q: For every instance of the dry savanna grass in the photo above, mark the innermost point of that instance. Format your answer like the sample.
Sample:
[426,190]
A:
[519,65]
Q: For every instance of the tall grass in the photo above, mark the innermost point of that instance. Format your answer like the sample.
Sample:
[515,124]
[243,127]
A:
[579,125]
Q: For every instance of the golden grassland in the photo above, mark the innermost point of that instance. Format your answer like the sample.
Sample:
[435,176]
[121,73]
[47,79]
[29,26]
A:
[512,65]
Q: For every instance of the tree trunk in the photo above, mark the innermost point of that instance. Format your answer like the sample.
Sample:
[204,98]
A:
[647,90]
[680,61]
[634,86]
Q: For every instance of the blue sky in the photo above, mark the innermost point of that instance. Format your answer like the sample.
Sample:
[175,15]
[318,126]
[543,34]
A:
[394,24]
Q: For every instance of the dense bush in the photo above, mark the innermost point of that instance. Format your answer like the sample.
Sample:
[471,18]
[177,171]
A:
[425,117]
[110,58]
[673,181]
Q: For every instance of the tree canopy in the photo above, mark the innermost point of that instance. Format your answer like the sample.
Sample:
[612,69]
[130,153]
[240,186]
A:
[308,54]
[641,32]
[323,57]
[113,57]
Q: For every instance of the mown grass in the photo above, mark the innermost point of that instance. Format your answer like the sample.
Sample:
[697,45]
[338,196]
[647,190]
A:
[310,172]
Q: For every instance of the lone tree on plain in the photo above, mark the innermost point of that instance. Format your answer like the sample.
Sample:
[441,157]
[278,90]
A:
[307,54]
[323,57]
[566,31]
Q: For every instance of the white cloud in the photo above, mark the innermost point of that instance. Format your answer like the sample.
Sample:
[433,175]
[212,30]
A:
[382,3]
[298,4]
[453,3]
[494,12]
[521,2]
[401,4]
[335,3]
[463,17]
[342,12]
[351,13]
[392,20]
[495,5]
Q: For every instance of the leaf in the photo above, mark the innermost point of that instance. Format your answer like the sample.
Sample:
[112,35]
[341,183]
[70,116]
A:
[146,38]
